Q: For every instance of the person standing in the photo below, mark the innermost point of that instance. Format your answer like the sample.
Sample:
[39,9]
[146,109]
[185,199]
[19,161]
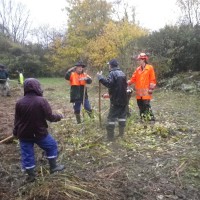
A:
[30,127]
[145,82]
[4,86]
[78,91]
[116,83]
[21,78]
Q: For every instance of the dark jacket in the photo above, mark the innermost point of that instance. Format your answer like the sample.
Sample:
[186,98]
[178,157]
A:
[3,75]
[31,113]
[77,91]
[116,83]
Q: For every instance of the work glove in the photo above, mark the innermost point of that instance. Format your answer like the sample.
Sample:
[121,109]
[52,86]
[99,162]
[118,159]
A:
[105,96]
[15,137]
[129,90]
[71,69]
[61,116]
[83,79]
[150,91]
[129,82]
[151,88]
[99,75]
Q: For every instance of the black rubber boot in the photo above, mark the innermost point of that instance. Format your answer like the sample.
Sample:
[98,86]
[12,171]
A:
[78,118]
[121,131]
[110,132]
[90,114]
[31,175]
[54,167]
[152,118]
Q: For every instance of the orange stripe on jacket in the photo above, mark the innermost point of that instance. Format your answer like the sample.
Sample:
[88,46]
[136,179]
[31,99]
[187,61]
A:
[75,79]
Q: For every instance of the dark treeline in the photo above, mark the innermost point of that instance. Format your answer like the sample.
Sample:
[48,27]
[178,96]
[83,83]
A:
[30,58]
[174,49]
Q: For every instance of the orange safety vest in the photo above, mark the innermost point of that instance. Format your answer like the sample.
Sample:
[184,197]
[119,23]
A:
[144,80]
[75,79]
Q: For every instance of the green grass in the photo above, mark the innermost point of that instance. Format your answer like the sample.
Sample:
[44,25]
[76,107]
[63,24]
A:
[52,82]
[56,89]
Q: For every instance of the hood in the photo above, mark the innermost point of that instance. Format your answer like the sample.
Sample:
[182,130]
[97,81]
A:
[32,85]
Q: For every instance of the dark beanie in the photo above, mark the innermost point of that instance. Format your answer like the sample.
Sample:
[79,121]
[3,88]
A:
[113,63]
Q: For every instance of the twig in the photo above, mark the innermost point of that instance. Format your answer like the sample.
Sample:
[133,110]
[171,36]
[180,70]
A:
[7,139]
[115,172]
[180,169]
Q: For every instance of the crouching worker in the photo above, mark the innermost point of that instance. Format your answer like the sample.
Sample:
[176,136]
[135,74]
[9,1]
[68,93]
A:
[30,127]
[78,92]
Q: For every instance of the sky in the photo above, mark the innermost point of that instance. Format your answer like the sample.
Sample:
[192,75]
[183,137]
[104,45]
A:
[155,14]
[46,12]
[150,14]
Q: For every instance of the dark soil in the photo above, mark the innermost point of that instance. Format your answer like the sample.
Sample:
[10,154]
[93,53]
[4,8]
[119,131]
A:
[158,161]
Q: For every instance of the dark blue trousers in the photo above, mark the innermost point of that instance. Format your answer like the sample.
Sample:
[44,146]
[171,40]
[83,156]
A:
[77,106]
[48,144]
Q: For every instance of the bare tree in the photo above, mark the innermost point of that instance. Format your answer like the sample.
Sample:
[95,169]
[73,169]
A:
[45,35]
[14,20]
[191,11]
[123,10]
[4,16]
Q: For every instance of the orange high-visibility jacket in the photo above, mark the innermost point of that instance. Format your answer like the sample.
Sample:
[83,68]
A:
[144,81]
[78,82]
[75,79]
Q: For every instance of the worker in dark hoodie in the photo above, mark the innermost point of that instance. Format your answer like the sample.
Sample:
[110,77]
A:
[30,127]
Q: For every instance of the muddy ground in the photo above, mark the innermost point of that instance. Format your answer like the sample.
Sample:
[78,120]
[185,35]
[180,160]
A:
[158,161]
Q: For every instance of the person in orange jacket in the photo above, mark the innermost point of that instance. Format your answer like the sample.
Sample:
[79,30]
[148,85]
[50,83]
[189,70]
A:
[78,92]
[145,82]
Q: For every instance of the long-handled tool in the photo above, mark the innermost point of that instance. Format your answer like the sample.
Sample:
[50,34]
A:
[7,139]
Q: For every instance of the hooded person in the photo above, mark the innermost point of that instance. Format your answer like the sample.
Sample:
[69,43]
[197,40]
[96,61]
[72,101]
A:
[78,90]
[30,126]
[116,83]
